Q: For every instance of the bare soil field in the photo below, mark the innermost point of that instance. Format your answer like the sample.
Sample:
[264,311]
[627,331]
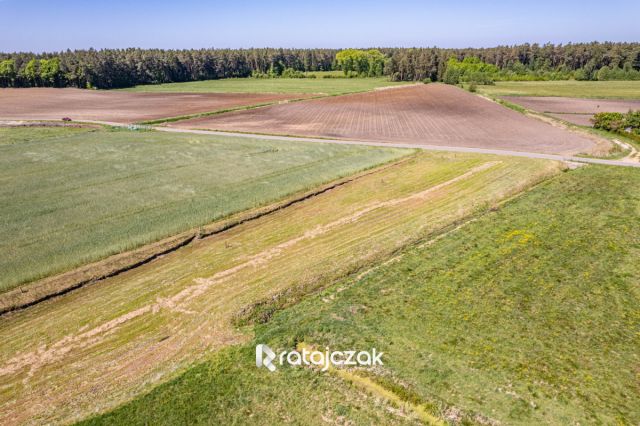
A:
[574,110]
[434,114]
[121,107]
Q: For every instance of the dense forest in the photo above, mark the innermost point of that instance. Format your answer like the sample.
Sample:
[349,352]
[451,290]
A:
[523,62]
[116,68]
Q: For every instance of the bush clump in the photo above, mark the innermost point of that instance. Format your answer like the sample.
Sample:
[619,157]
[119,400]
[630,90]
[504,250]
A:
[286,73]
[618,122]
[612,121]
[469,70]
[291,73]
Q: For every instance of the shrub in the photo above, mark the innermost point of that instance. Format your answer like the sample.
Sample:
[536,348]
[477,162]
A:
[286,73]
[451,76]
[632,121]
[291,73]
[471,69]
[581,75]
[612,121]
[628,124]
[480,77]
[616,73]
[258,74]
[473,87]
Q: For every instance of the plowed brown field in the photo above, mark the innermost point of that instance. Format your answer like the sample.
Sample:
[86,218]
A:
[434,114]
[574,110]
[121,107]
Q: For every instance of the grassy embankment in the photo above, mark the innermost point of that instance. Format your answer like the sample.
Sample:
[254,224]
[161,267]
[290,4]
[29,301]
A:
[528,315]
[565,88]
[72,196]
[569,88]
[109,341]
[614,152]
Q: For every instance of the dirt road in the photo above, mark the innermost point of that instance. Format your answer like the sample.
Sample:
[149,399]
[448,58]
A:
[426,147]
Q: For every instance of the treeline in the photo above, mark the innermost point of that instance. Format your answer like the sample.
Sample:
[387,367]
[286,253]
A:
[523,62]
[472,70]
[115,68]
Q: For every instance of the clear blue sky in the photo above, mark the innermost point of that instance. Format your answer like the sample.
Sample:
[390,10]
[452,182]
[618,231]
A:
[46,25]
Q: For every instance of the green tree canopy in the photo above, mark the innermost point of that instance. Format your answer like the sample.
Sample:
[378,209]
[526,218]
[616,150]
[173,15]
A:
[470,69]
[7,72]
[32,72]
[50,72]
[365,63]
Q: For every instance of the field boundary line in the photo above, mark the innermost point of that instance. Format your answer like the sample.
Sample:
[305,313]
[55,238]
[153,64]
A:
[313,96]
[226,110]
[202,284]
[562,124]
[291,296]
[420,146]
[47,288]
[426,147]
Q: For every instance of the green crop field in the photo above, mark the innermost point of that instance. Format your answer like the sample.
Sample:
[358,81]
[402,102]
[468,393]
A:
[329,86]
[70,196]
[566,88]
[528,315]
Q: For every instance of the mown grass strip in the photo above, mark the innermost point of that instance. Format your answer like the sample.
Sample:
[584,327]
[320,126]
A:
[565,88]
[180,308]
[329,86]
[40,291]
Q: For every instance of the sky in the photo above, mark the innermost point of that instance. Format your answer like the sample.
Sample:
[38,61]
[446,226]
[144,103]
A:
[53,25]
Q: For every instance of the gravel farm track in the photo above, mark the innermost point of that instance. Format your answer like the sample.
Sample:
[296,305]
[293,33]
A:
[121,107]
[574,110]
[434,114]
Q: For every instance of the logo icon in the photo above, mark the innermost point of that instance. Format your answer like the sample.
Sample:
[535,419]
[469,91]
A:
[264,357]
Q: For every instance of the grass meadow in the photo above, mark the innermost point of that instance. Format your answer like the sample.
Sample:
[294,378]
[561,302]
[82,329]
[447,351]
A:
[327,86]
[70,196]
[528,315]
[565,88]
[185,306]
